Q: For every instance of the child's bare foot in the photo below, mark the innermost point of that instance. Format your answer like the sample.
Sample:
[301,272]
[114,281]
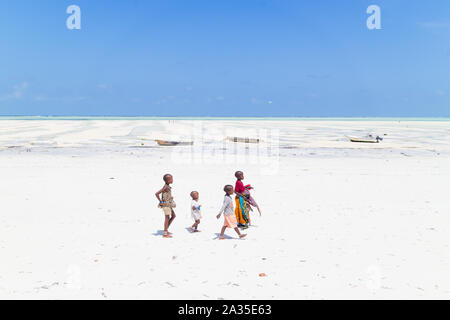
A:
[242,236]
[191,230]
[221,238]
[167,235]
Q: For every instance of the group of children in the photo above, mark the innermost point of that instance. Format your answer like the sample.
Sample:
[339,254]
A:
[236,213]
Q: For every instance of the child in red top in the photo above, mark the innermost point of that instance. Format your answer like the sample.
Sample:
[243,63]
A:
[239,188]
[242,208]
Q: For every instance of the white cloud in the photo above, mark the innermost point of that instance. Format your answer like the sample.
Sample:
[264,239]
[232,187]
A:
[260,101]
[19,90]
[17,93]
[173,100]
[161,101]
[41,98]
[435,24]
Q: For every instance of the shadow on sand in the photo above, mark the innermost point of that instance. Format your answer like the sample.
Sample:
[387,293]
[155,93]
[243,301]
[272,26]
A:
[225,236]
[188,229]
[159,233]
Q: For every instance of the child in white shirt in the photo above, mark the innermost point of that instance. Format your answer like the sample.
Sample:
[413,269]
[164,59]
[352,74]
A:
[228,211]
[195,211]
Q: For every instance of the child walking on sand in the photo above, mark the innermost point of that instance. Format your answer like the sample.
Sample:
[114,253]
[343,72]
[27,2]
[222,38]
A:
[195,211]
[251,201]
[242,209]
[229,214]
[167,204]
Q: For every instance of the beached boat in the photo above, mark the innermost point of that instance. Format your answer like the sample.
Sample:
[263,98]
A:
[174,143]
[368,139]
[243,140]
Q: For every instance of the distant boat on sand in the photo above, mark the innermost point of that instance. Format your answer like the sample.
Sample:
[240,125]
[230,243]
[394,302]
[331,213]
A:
[243,140]
[368,139]
[174,143]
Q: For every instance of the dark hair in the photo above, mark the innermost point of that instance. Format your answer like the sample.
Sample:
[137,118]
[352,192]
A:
[238,173]
[227,187]
[166,177]
[192,193]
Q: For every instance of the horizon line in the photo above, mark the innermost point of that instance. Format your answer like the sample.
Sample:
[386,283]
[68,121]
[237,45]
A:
[106,117]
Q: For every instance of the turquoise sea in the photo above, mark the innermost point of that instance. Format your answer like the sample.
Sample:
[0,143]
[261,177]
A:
[84,118]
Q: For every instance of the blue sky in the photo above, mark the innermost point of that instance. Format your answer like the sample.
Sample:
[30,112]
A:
[311,58]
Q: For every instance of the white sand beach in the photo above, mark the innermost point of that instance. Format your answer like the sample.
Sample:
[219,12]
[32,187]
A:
[341,220]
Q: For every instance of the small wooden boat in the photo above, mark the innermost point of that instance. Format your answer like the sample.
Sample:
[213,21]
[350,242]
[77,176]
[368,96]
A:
[243,140]
[174,143]
[369,139]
